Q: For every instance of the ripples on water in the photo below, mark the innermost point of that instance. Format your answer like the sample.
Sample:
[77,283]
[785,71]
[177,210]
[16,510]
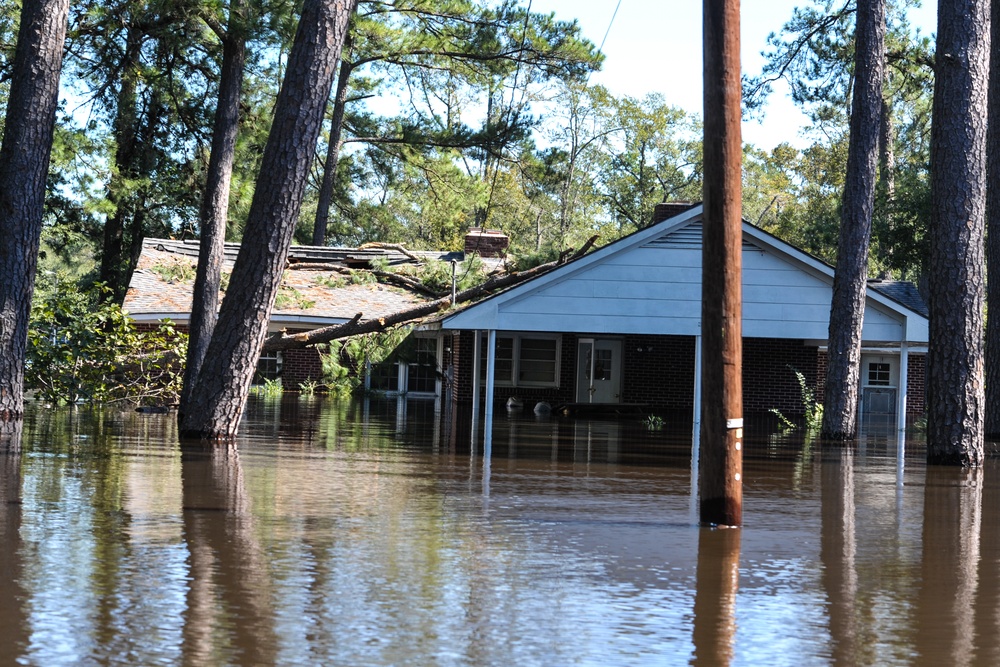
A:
[352,533]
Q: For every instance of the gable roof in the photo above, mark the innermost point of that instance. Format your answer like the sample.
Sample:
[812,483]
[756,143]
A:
[162,284]
[650,282]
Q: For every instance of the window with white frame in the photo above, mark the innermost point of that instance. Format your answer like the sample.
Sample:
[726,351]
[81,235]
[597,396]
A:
[879,374]
[411,369]
[422,371]
[268,367]
[525,360]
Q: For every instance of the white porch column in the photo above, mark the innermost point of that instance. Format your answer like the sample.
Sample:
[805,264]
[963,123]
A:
[477,354]
[904,371]
[491,358]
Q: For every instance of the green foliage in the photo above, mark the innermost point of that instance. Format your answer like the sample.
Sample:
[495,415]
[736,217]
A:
[812,408]
[529,260]
[344,361]
[653,422]
[81,349]
[289,298]
[330,281]
[175,272]
[309,387]
[436,274]
[271,388]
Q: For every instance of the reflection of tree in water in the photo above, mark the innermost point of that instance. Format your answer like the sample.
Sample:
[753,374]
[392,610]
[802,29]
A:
[947,606]
[230,608]
[12,594]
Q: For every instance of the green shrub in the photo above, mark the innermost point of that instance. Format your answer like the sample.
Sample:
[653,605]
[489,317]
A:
[80,349]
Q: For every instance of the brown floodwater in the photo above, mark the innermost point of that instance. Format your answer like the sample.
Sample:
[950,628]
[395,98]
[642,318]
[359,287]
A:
[338,532]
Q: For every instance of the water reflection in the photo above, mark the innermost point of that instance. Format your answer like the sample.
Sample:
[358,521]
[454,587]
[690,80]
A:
[12,594]
[949,575]
[715,600]
[229,616]
[366,533]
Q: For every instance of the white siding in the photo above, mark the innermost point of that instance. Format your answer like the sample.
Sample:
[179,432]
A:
[654,287]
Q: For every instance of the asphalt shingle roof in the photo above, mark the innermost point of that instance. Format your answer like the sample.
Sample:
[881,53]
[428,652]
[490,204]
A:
[163,282]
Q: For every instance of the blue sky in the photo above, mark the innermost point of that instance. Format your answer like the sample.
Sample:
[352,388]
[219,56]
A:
[655,45]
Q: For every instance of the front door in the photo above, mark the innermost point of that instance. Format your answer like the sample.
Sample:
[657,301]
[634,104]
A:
[599,371]
[879,387]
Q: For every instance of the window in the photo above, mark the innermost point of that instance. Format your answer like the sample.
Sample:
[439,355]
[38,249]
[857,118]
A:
[268,367]
[421,376]
[878,374]
[384,377]
[412,368]
[525,360]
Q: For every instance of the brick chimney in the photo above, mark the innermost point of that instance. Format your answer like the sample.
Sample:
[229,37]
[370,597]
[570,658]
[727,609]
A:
[486,242]
[665,210]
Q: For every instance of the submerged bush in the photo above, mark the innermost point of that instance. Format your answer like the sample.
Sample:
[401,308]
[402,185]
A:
[80,349]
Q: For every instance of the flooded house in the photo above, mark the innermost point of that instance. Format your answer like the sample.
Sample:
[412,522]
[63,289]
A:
[318,289]
[620,328]
[616,330]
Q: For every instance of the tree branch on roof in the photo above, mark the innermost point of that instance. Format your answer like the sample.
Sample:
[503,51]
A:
[355,327]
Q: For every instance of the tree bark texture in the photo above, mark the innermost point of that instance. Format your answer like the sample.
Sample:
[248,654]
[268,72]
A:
[220,391]
[721,462]
[215,203]
[332,149]
[113,256]
[24,163]
[955,391]
[848,305]
[992,418]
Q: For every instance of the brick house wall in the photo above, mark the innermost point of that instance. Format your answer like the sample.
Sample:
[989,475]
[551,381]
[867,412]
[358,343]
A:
[769,380]
[298,366]
[659,372]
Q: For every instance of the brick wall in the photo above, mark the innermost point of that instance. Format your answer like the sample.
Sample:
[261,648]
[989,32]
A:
[916,385]
[769,379]
[659,371]
[486,242]
[298,366]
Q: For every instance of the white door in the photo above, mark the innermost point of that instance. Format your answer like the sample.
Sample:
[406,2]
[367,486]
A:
[599,371]
[879,386]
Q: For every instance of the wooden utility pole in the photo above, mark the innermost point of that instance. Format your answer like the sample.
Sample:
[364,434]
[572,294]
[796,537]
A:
[721,468]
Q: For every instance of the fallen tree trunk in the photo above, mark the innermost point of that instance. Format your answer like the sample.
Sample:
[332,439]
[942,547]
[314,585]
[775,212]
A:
[357,326]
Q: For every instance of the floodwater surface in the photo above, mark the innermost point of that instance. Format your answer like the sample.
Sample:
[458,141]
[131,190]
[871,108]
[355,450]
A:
[373,533]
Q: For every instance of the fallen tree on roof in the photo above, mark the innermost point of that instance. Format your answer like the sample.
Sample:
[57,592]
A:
[357,325]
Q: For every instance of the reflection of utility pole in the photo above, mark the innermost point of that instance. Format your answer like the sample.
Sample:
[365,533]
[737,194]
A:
[715,598]
[721,487]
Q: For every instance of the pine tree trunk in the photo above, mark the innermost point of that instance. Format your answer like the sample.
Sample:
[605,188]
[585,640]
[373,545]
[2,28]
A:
[992,419]
[848,305]
[24,163]
[956,397]
[332,151]
[218,395]
[113,256]
[215,203]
